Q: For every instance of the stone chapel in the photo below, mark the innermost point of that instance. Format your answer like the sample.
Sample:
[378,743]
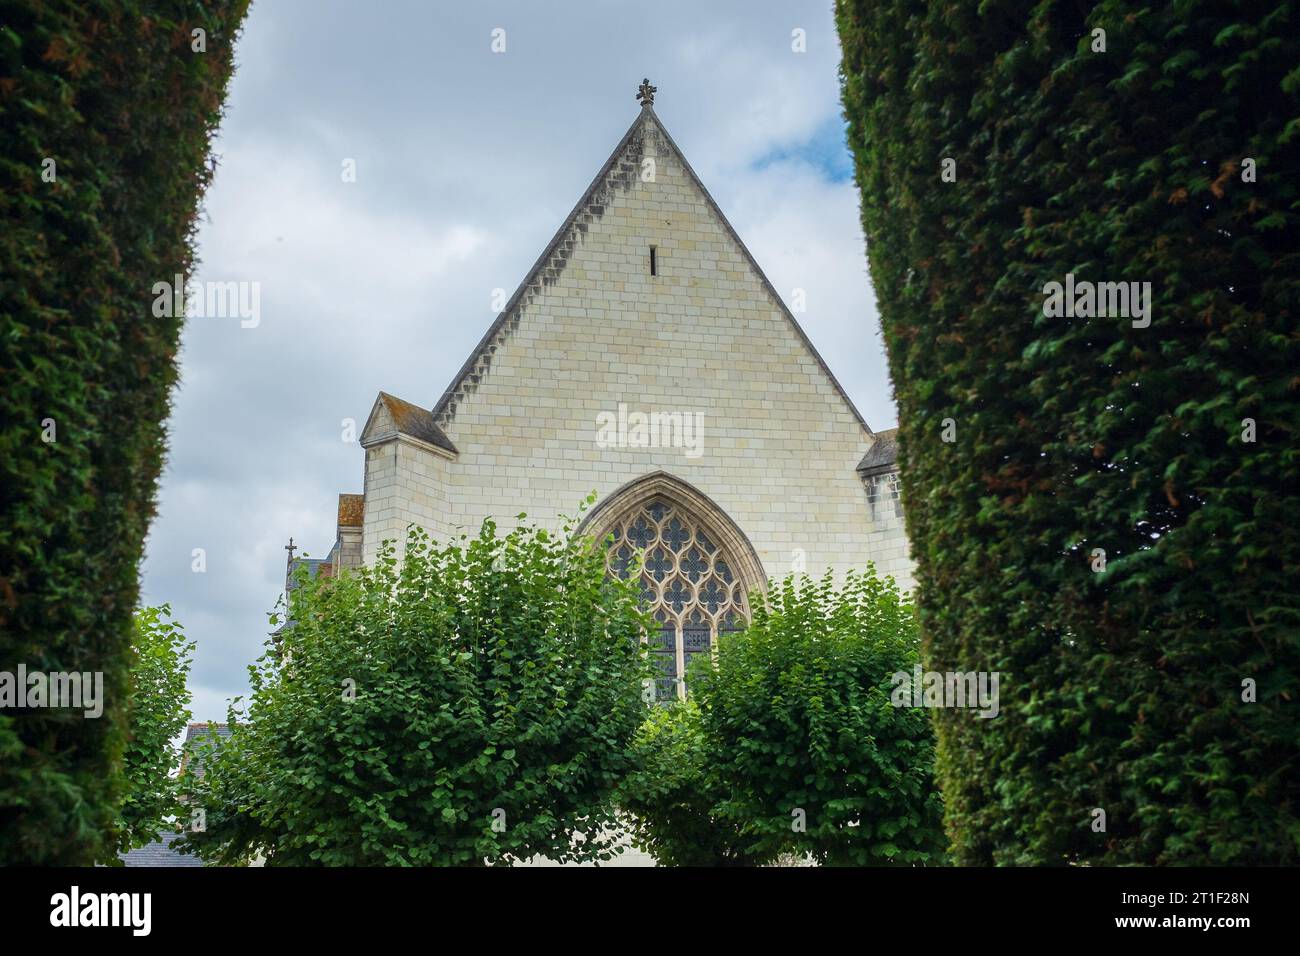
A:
[647,357]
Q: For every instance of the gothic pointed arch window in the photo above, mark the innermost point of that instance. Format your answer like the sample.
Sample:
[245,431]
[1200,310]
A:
[696,568]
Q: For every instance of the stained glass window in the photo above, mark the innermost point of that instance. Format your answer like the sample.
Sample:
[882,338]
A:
[686,582]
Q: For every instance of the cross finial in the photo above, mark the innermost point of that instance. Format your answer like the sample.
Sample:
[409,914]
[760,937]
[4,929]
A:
[291,548]
[645,93]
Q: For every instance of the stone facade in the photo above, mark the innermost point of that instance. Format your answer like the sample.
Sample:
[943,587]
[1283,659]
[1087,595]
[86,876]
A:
[547,409]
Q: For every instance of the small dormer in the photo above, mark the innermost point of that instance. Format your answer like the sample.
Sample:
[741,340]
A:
[407,479]
[391,417]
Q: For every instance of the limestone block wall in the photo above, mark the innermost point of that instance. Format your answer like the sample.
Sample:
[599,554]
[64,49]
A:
[405,484]
[706,337]
[887,542]
[351,552]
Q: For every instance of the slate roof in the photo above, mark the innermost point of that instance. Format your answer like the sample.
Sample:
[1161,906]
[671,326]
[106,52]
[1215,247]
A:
[195,734]
[882,456]
[544,271]
[415,421]
[159,853]
[206,729]
[315,567]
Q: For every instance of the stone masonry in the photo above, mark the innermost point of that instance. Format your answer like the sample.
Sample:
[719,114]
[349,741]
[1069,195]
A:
[781,450]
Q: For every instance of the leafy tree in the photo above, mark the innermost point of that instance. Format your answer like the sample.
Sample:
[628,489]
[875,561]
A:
[106,116]
[160,666]
[671,795]
[474,704]
[803,750]
[1104,509]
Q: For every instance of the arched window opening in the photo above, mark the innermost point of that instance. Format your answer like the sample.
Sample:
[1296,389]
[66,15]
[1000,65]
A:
[688,583]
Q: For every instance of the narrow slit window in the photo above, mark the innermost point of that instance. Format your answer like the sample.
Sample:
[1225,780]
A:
[654,261]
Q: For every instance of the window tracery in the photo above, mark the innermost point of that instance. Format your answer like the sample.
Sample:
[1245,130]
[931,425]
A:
[686,580]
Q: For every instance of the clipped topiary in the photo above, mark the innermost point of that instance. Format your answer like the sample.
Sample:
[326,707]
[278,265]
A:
[106,118]
[1084,236]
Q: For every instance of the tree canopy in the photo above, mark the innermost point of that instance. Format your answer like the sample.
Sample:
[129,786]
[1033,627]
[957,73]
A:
[473,704]
[791,742]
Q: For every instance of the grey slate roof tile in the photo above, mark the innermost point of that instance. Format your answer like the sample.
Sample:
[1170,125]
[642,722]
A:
[159,853]
[416,421]
[882,455]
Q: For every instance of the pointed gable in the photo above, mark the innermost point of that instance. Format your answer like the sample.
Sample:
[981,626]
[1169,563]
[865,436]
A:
[391,416]
[646,141]
[644,307]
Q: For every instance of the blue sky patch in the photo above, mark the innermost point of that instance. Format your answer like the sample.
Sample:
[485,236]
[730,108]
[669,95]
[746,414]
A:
[826,151]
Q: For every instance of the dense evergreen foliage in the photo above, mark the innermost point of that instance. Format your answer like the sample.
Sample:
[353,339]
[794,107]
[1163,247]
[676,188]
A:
[106,114]
[1166,150]
[474,705]
[791,743]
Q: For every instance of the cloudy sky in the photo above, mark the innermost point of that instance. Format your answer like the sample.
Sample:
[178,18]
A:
[466,163]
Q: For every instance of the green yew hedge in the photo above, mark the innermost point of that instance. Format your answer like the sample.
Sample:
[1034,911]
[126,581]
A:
[1122,688]
[115,95]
